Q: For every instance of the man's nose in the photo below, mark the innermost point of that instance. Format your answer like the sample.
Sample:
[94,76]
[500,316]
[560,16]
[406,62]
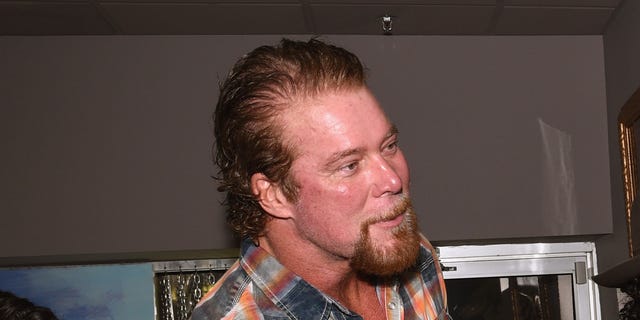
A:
[386,178]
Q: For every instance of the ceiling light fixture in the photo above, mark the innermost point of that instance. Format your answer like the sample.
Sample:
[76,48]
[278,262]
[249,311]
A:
[387,24]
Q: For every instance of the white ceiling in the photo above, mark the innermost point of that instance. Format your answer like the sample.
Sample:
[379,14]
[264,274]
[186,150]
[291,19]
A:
[209,17]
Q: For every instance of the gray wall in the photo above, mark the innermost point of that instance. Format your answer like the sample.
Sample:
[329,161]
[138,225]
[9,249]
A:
[106,139]
[622,49]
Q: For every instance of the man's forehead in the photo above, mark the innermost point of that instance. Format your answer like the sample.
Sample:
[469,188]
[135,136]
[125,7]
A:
[335,99]
[329,124]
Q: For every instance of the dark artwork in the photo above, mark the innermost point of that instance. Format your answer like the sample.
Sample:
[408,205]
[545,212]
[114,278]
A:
[631,309]
[177,293]
[483,299]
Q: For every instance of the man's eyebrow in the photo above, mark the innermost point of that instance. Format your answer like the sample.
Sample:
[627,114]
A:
[392,131]
[337,156]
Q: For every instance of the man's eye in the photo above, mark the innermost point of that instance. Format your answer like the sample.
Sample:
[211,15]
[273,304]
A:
[392,146]
[350,167]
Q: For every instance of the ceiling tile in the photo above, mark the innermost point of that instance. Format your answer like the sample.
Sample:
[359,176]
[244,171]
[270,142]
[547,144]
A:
[563,3]
[548,20]
[411,17]
[408,2]
[229,2]
[38,18]
[44,1]
[193,18]
[407,19]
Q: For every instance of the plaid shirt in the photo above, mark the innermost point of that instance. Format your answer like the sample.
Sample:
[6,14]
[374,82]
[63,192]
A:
[257,286]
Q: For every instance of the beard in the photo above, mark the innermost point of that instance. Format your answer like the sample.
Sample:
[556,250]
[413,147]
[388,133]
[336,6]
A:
[389,260]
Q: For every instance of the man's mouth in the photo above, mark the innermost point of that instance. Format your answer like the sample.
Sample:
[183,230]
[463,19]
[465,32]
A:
[393,218]
[391,223]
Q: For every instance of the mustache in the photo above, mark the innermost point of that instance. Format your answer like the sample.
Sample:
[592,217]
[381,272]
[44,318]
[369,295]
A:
[400,208]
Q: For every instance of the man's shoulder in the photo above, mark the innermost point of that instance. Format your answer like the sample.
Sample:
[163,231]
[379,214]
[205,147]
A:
[225,296]
[237,297]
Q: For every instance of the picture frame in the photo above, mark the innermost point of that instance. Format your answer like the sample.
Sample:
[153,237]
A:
[628,127]
[78,292]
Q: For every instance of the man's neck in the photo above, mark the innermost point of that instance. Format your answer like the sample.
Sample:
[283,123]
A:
[360,296]
[331,275]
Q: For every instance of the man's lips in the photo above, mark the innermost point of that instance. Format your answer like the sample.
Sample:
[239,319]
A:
[391,223]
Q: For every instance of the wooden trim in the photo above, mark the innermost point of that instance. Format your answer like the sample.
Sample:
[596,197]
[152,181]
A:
[628,116]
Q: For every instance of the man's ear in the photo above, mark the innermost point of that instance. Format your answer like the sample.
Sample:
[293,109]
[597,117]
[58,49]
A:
[270,196]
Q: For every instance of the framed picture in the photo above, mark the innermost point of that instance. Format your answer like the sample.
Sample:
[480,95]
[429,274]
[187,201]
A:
[628,127]
[96,292]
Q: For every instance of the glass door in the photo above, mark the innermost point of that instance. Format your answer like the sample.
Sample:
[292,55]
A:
[521,281]
[544,297]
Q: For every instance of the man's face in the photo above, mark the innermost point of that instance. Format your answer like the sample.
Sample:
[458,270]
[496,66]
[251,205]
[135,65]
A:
[353,183]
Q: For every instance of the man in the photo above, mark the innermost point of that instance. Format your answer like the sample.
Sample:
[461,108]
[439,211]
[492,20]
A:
[318,188]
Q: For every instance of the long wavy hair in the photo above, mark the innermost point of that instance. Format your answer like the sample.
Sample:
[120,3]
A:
[248,121]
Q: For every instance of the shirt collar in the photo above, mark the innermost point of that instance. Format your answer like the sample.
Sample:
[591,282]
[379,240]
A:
[286,290]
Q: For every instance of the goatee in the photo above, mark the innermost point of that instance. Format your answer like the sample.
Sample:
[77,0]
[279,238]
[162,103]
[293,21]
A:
[388,260]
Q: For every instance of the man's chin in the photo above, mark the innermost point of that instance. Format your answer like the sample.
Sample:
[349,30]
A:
[384,239]
[389,247]
[388,255]
[387,261]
